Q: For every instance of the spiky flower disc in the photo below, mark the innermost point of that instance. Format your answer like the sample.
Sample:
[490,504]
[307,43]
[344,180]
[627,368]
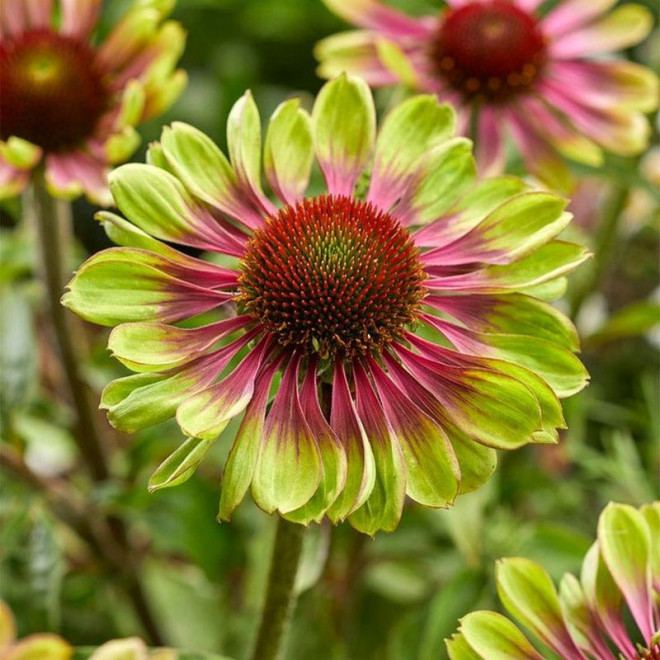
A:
[333,276]
[546,79]
[71,104]
[52,92]
[401,321]
[493,50]
[612,612]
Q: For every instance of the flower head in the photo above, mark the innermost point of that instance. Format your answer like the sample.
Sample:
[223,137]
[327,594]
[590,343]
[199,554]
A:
[610,613]
[394,318]
[509,69]
[72,105]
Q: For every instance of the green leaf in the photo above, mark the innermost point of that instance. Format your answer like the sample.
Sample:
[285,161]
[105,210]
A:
[457,596]
[18,367]
[180,465]
[494,637]
[632,321]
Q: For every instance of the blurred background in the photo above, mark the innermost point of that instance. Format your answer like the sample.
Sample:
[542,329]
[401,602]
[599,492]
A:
[396,596]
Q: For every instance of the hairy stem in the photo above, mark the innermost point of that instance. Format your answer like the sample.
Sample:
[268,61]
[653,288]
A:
[280,596]
[603,248]
[106,534]
[52,221]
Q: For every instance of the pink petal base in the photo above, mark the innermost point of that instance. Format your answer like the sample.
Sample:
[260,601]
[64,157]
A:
[78,171]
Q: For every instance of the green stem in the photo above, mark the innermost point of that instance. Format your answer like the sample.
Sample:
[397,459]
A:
[53,223]
[280,597]
[474,124]
[603,249]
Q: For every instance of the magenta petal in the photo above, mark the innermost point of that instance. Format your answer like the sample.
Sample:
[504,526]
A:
[18,16]
[605,84]
[79,17]
[604,599]
[77,171]
[192,272]
[433,473]
[571,14]
[539,155]
[529,5]
[383,508]
[12,19]
[242,459]
[289,468]
[490,152]
[159,346]
[12,180]
[345,423]
[207,413]
[332,452]
[374,15]
[39,12]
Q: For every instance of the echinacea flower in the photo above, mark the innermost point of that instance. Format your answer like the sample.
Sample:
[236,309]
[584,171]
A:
[548,81]
[393,314]
[611,613]
[69,104]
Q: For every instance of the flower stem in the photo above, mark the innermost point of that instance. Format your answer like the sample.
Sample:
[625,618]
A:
[53,223]
[603,248]
[280,597]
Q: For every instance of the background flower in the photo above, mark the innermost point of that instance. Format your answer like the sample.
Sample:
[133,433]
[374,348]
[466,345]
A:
[543,79]
[611,609]
[71,104]
[404,323]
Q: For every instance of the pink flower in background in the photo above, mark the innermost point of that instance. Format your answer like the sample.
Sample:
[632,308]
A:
[508,69]
[70,105]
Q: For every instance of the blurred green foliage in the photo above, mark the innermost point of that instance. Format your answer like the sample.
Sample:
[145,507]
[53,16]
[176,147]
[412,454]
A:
[396,596]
